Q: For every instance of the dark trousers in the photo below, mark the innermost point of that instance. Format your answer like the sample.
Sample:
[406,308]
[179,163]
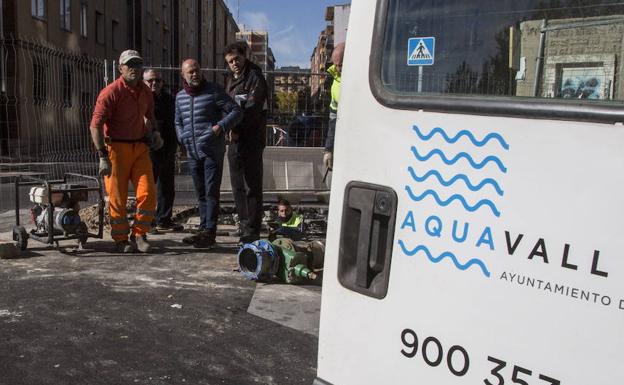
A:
[246,178]
[207,173]
[163,164]
[331,132]
[289,232]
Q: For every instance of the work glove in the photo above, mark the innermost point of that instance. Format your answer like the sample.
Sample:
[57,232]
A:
[328,159]
[155,141]
[106,168]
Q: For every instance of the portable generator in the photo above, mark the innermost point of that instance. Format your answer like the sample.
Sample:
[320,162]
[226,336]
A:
[55,213]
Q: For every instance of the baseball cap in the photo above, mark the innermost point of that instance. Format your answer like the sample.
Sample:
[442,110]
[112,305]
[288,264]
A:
[128,55]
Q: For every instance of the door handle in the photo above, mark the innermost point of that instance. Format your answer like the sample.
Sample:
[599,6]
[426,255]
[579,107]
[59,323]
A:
[366,238]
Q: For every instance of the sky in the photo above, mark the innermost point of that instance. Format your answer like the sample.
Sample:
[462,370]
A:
[293,25]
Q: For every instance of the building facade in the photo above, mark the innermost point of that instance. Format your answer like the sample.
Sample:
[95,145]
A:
[340,20]
[292,79]
[319,63]
[582,58]
[335,32]
[295,81]
[61,53]
[259,50]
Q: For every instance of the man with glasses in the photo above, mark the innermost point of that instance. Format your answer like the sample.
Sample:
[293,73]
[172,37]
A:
[123,129]
[163,160]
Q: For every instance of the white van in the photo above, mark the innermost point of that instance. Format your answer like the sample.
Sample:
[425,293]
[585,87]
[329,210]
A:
[476,222]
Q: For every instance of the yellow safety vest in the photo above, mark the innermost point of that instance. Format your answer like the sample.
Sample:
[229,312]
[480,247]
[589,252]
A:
[335,88]
[295,221]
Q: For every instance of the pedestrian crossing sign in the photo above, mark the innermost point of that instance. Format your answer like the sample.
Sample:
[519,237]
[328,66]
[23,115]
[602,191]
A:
[420,51]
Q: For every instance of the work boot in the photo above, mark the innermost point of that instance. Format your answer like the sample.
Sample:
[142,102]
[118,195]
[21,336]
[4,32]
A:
[124,247]
[153,231]
[191,239]
[205,240]
[142,244]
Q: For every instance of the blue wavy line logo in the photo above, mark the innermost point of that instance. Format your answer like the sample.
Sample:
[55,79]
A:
[462,177]
[475,165]
[447,254]
[466,133]
[457,197]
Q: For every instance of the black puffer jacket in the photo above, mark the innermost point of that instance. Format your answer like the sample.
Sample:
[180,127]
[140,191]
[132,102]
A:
[164,109]
[250,91]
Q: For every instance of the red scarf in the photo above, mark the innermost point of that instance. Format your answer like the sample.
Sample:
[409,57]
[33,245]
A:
[194,91]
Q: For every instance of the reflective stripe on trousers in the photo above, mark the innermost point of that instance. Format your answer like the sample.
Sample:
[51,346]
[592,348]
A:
[130,162]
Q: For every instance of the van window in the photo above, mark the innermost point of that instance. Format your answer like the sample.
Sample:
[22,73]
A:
[563,49]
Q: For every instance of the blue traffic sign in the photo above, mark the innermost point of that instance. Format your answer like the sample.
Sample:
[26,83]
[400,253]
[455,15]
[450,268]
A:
[420,51]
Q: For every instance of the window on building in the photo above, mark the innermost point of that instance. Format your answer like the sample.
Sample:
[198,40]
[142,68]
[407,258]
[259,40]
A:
[115,32]
[83,19]
[37,8]
[99,28]
[39,82]
[67,85]
[65,14]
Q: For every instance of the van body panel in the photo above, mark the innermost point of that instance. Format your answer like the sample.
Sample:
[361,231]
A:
[507,255]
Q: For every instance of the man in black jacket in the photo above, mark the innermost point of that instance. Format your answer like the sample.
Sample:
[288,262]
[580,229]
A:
[247,86]
[163,160]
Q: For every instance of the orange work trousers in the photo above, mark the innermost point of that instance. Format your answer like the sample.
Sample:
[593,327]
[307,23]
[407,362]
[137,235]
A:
[130,162]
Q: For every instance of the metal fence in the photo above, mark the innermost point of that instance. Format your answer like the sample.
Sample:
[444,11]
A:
[297,104]
[47,97]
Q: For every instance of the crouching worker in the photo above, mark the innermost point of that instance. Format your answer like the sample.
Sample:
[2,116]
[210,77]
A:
[289,224]
[123,130]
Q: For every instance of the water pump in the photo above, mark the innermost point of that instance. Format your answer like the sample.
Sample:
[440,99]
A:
[56,207]
[62,217]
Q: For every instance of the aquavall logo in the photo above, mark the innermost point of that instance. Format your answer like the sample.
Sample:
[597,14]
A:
[451,187]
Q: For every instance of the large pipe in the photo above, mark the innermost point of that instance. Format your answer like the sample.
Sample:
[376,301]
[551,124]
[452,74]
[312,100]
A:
[258,260]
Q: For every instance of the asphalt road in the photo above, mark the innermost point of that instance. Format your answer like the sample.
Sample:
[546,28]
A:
[175,316]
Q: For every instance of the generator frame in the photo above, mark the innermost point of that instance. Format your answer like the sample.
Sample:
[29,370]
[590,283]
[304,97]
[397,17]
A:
[19,232]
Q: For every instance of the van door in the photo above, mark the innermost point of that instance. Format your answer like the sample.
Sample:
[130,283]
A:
[475,223]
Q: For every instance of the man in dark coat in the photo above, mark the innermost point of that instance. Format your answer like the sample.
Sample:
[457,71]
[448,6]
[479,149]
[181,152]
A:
[247,86]
[163,160]
[204,115]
